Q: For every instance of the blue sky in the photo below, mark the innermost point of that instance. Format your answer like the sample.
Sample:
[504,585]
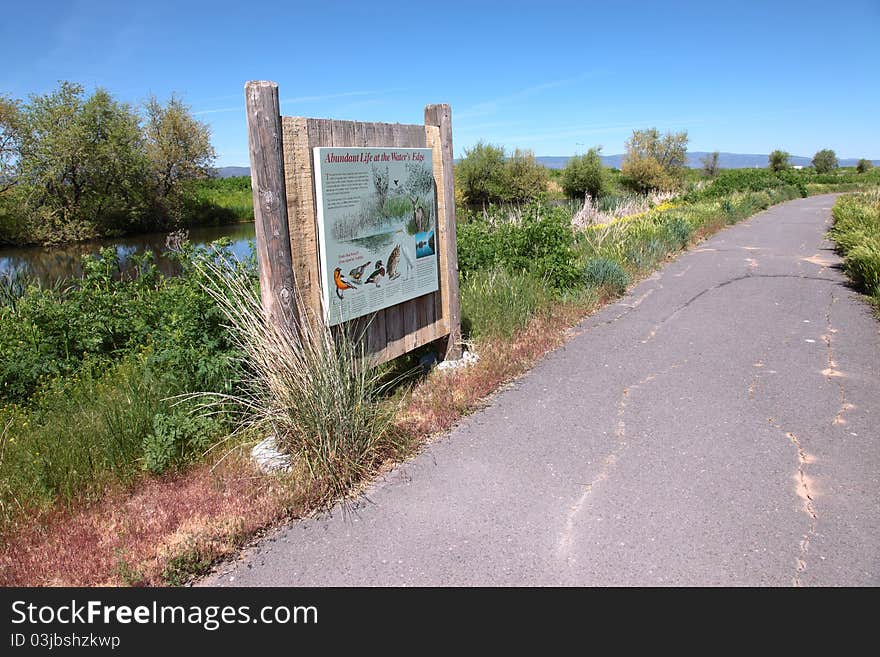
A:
[553,77]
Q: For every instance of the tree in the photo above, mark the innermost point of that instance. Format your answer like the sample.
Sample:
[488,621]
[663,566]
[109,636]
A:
[524,178]
[584,174]
[864,166]
[10,142]
[710,164]
[825,161]
[778,160]
[178,146]
[481,174]
[82,158]
[654,162]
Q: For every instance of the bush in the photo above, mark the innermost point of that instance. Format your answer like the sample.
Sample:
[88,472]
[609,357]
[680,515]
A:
[644,175]
[177,436]
[480,174]
[606,274]
[486,176]
[730,181]
[653,161]
[778,160]
[536,239]
[825,161]
[524,178]
[584,174]
[864,166]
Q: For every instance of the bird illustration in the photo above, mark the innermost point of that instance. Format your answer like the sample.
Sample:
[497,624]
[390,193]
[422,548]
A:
[358,271]
[341,283]
[393,259]
[420,217]
[377,274]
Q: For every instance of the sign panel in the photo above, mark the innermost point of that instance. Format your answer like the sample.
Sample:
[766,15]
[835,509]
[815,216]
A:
[377,228]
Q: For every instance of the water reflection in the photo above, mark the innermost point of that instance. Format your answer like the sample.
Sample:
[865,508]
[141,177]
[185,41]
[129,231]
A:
[49,263]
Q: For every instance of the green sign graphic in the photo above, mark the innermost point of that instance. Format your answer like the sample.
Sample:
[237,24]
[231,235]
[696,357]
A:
[377,228]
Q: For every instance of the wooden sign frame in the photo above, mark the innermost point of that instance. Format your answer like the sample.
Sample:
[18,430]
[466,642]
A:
[285,214]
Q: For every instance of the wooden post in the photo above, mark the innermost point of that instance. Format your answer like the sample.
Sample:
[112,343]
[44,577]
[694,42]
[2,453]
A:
[441,116]
[277,284]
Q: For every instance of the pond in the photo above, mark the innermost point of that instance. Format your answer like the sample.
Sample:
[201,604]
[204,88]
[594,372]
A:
[49,263]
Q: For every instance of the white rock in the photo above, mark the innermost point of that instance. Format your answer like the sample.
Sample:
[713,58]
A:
[268,457]
[467,359]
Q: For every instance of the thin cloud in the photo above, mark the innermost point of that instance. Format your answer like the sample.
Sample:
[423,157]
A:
[491,106]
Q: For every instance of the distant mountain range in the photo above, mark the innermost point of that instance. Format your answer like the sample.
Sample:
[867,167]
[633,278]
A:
[694,160]
[725,161]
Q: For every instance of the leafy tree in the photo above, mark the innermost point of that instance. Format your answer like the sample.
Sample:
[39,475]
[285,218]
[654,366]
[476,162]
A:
[653,161]
[710,164]
[481,174]
[10,142]
[524,178]
[864,166]
[778,160]
[177,145]
[643,175]
[82,157]
[584,174]
[825,161]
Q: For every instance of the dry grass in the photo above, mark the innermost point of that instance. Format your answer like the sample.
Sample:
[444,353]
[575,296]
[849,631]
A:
[169,528]
[131,537]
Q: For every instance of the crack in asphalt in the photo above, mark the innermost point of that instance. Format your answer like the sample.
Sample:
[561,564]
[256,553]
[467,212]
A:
[806,492]
[832,373]
[565,541]
[718,286]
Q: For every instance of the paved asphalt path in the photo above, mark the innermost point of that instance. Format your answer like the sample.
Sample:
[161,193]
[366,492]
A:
[718,426]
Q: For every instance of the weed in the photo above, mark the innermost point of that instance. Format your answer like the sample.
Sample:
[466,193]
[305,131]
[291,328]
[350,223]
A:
[607,275]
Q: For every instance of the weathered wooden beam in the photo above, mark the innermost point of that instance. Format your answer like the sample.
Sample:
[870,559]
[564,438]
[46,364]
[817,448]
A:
[277,283]
[441,116]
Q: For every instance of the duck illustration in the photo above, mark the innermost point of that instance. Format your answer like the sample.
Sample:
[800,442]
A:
[341,283]
[358,271]
[377,274]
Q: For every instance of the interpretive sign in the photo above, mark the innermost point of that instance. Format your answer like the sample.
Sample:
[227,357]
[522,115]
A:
[377,228]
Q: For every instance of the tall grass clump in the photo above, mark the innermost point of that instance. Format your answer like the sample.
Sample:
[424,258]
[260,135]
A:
[498,303]
[856,232]
[313,390]
[607,275]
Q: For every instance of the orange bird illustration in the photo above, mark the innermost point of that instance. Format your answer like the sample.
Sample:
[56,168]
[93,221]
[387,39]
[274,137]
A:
[341,283]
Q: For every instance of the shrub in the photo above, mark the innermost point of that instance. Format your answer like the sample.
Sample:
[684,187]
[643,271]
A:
[584,174]
[536,239]
[606,274]
[778,160]
[486,176]
[864,166]
[825,161]
[680,232]
[177,436]
[654,162]
[524,178]
[480,174]
[710,164]
[643,175]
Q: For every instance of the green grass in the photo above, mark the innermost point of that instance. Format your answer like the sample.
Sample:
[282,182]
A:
[87,372]
[856,232]
[497,302]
